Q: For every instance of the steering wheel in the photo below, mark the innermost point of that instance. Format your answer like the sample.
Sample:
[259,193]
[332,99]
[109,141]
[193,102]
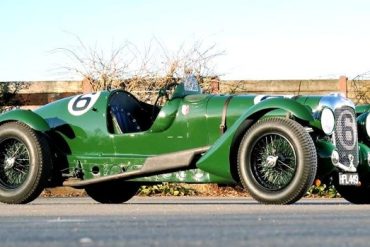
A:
[163,92]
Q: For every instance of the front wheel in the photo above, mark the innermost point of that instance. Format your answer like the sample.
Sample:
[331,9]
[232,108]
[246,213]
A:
[113,192]
[277,161]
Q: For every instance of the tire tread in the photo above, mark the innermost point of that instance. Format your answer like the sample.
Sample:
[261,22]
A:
[42,151]
[310,157]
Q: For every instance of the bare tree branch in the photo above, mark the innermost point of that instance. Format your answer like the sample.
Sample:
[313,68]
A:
[361,90]
[139,70]
[9,97]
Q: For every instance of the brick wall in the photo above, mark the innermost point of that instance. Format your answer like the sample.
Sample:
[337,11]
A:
[42,92]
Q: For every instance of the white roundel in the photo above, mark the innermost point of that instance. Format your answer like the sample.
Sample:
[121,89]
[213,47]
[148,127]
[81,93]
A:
[80,104]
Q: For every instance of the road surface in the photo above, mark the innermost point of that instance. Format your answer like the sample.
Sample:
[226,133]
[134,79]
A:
[184,221]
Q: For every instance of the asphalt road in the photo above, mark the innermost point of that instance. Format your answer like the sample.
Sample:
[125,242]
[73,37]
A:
[169,221]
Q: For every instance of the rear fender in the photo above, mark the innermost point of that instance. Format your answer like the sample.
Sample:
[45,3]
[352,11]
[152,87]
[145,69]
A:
[224,150]
[26,116]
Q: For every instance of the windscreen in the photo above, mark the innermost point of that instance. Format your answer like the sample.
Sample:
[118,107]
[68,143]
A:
[191,84]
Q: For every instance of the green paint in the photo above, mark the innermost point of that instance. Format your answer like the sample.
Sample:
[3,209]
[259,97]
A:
[30,118]
[362,108]
[190,120]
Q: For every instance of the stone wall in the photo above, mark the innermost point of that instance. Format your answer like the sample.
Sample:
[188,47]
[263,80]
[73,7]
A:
[42,92]
[358,91]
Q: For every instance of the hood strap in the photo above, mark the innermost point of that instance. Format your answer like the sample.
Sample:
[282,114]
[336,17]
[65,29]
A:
[223,126]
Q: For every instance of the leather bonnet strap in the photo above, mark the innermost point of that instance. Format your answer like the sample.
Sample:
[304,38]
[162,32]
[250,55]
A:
[223,126]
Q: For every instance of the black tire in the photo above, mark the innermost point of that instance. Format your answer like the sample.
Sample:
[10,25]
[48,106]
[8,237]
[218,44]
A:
[277,161]
[24,163]
[114,192]
[354,194]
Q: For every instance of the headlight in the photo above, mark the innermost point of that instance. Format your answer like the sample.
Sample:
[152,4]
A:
[335,157]
[363,122]
[327,121]
[368,125]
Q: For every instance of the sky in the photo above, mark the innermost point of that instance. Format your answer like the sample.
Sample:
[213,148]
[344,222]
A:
[259,39]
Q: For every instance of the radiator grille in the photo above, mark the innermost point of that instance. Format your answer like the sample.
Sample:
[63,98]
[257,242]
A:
[345,136]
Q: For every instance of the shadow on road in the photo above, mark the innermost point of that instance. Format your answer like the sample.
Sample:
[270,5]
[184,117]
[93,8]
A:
[188,201]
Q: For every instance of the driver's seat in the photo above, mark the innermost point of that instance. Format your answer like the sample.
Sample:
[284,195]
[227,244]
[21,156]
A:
[123,121]
[126,113]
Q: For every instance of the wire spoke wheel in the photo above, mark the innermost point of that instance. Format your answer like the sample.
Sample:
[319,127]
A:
[15,163]
[277,161]
[273,161]
[25,163]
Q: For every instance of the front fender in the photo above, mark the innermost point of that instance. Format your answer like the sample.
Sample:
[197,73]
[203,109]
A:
[26,116]
[217,159]
[362,108]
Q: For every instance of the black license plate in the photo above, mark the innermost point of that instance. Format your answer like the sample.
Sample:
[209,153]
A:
[348,179]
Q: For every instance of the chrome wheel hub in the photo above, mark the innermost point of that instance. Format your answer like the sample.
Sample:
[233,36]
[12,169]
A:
[271,161]
[9,163]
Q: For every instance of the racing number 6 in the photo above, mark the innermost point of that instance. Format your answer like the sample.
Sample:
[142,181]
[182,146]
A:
[80,104]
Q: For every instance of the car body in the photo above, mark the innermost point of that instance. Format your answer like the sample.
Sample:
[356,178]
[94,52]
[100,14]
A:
[110,143]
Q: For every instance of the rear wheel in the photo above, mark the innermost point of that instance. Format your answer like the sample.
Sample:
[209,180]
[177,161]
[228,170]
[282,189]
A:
[24,163]
[277,161]
[113,192]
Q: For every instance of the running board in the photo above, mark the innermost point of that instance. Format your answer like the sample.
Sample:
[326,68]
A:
[152,166]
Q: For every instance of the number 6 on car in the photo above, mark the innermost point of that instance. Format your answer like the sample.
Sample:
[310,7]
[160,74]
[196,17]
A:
[80,104]
[110,143]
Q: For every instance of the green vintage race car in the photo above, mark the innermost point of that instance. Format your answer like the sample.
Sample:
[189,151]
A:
[110,143]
